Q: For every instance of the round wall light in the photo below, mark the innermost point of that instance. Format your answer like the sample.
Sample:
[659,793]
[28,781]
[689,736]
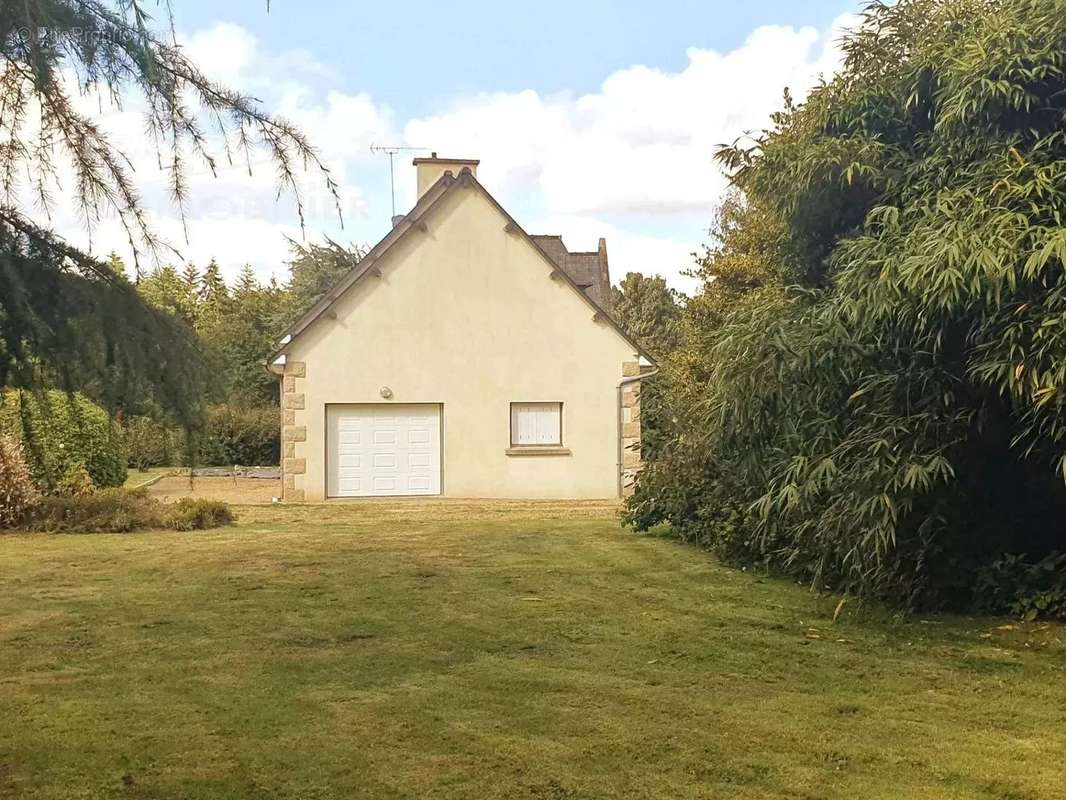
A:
[386,392]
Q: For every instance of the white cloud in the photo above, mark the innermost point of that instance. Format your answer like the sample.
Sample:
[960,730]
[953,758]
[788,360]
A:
[637,155]
[236,215]
[640,148]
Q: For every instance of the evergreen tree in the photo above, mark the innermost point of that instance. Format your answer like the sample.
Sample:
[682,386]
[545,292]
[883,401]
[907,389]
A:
[649,310]
[248,338]
[117,265]
[166,290]
[314,270]
[247,283]
[191,275]
[66,317]
[214,300]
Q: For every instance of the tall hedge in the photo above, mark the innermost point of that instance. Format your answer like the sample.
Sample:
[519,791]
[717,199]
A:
[887,397]
[60,432]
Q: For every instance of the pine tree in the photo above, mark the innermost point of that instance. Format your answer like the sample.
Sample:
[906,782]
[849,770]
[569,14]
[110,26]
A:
[116,265]
[168,291]
[214,294]
[191,275]
[247,283]
[314,270]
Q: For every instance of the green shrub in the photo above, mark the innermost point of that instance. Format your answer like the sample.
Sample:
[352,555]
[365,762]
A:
[122,511]
[150,443]
[17,492]
[61,431]
[1026,588]
[76,482]
[103,511]
[694,495]
[240,435]
[190,514]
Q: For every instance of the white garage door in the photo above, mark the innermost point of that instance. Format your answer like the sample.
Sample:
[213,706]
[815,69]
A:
[382,450]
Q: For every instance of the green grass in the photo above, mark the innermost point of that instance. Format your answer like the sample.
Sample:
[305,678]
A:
[387,651]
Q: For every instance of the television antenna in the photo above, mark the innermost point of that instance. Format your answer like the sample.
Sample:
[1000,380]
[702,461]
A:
[391,151]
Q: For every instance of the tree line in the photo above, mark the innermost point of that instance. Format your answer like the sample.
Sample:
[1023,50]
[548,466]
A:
[239,326]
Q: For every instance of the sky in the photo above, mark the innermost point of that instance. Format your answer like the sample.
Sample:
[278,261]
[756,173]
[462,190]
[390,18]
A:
[590,118]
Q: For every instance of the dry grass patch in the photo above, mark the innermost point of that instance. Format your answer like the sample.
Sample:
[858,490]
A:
[235,490]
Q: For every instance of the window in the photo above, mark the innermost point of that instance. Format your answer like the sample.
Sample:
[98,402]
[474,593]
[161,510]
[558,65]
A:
[536,424]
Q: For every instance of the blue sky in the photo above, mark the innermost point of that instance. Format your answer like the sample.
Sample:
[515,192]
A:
[421,54]
[591,118]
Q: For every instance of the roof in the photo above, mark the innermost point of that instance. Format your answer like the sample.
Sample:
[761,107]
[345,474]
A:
[590,271]
[414,221]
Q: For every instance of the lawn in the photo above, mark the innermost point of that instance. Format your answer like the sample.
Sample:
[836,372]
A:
[492,651]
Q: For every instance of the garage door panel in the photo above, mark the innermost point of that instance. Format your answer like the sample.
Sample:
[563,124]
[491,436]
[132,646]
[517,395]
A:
[383,450]
[385,483]
[418,459]
[350,486]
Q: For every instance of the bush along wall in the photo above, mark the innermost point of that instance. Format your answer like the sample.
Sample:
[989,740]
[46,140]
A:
[61,434]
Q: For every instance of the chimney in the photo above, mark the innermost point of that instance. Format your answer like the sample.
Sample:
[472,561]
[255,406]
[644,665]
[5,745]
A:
[430,169]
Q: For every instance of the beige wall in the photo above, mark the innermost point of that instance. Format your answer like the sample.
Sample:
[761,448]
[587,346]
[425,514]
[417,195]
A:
[466,315]
[430,170]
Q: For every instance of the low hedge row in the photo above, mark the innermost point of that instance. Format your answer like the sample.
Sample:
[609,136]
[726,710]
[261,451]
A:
[122,511]
[77,506]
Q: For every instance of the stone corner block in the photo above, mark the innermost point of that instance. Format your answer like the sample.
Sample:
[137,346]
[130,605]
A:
[630,369]
[295,466]
[294,433]
[295,401]
[296,369]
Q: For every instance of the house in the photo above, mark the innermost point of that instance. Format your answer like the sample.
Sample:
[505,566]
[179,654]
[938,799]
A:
[461,357]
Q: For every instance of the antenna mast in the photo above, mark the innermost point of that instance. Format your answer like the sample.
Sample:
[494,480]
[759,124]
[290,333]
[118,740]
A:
[391,151]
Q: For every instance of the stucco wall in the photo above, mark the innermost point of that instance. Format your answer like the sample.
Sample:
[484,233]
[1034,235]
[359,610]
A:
[466,314]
